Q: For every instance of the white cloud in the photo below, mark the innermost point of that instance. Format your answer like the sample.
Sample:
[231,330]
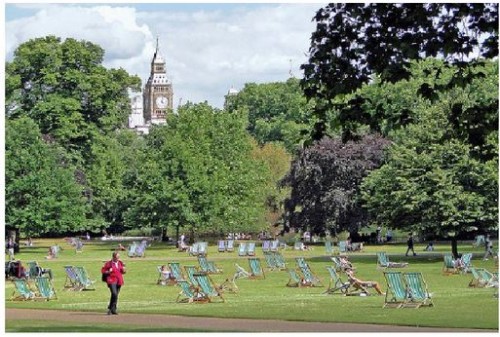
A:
[206,52]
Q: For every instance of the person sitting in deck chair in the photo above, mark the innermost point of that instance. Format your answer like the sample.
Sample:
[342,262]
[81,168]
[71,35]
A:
[345,263]
[363,285]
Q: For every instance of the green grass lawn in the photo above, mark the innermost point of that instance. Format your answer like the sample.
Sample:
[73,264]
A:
[455,304]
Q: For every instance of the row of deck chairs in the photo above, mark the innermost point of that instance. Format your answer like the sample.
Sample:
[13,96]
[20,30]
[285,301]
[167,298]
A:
[246,248]
[137,249]
[270,246]
[226,246]
[202,289]
[302,276]
[198,248]
[462,266]
[406,290]
[342,247]
[40,289]
[77,279]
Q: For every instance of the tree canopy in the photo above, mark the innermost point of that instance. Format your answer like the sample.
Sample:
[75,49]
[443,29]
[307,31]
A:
[354,42]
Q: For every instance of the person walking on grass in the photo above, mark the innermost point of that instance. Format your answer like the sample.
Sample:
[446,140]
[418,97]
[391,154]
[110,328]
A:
[114,270]
[410,245]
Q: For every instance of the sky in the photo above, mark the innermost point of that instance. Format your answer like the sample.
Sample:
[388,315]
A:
[208,47]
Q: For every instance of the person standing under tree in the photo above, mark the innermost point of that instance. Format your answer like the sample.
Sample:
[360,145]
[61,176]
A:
[114,271]
[410,245]
[10,248]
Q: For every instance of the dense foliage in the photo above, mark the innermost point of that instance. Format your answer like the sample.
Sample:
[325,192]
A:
[355,41]
[325,180]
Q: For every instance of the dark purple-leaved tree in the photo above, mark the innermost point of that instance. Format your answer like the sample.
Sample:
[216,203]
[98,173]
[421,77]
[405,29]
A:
[325,179]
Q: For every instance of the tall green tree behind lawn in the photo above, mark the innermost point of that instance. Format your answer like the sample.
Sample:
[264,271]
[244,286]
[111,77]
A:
[198,175]
[41,194]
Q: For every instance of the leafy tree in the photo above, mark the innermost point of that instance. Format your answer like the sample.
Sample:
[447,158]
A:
[354,42]
[198,173]
[432,183]
[41,195]
[325,179]
[63,87]
[277,112]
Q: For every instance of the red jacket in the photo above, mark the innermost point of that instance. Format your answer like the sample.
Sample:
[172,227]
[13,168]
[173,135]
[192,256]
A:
[116,275]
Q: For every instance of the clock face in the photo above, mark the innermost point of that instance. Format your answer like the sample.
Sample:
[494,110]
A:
[161,102]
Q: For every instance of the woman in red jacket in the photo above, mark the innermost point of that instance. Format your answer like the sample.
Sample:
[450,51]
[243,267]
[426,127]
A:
[114,271]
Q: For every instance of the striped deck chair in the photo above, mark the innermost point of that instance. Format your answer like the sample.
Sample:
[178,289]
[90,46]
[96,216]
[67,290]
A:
[479,241]
[33,271]
[189,294]
[203,249]
[309,276]
[22,291]
[131,249]
[476,278]
[208,287]
[45,289]
[194,248]
[396,294]
[490,279]
[274,246]
[140,250]
[255,268]
[328,248]
[417,290]
[175,269]
[242,249]
[251,249]
[72,282]
[449,265]
[208,266]
[78,245]
[221,246]
[465,263]
[190,271]
[230,246]
[383,262]
[297,245]
[83,279]
[266,246]
[270,260]
[280,260]
[295,279]
[342,246]
[336,284]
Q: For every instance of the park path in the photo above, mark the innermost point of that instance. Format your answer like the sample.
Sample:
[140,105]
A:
[214,324]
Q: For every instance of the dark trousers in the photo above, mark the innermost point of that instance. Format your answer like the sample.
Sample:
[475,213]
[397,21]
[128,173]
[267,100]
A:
[115,290]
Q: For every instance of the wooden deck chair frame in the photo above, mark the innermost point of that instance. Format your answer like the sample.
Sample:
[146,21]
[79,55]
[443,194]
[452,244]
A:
[45,289]
[384,262]
[397,293]
[417,290]
[208,287]
[22,290]
[240,273]
[72,281]
[190,294]
[336,284]
[256,270]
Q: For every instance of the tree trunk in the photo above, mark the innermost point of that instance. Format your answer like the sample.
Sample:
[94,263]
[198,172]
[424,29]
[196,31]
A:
[454,248]
[164,236]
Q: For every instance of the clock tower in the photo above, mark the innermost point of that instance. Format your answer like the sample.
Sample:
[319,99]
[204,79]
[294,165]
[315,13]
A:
[158,93]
